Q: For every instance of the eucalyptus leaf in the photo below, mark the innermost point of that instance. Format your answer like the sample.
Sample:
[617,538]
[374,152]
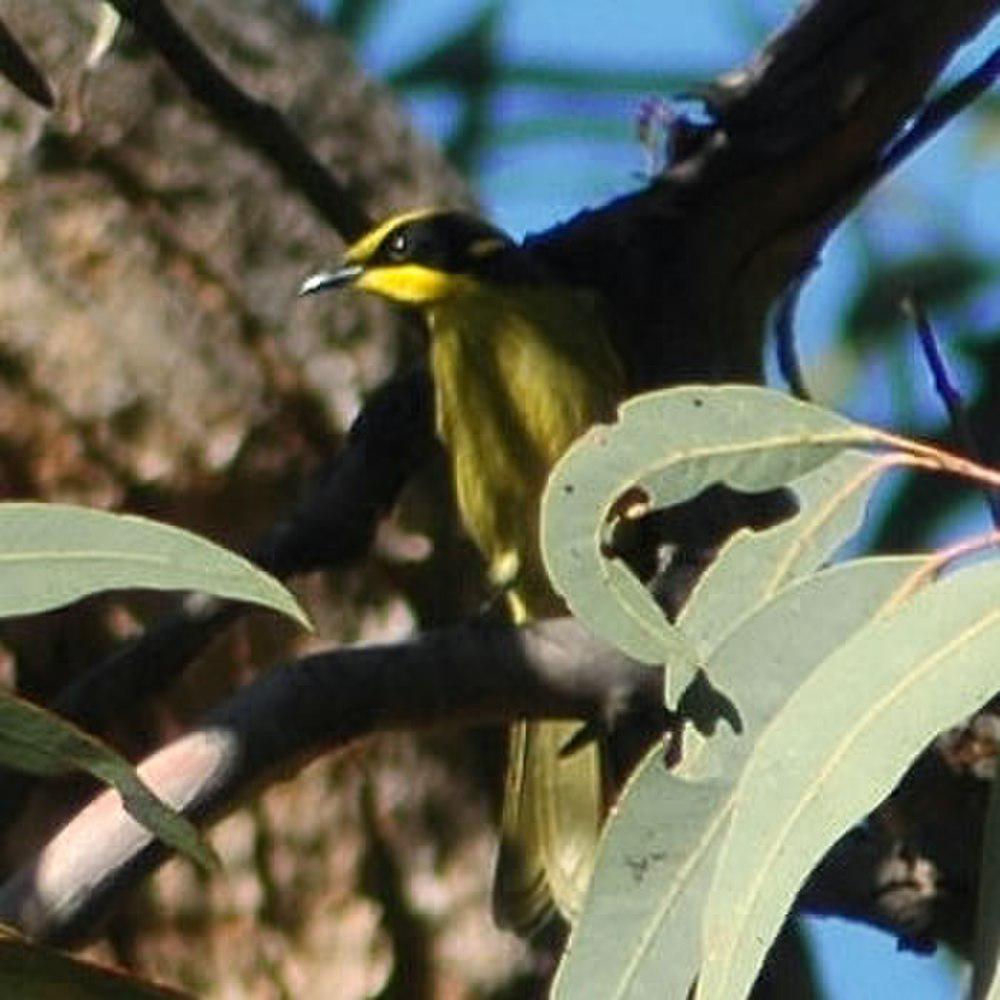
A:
[666,448]
[835,750]
[52,554]
[30,972]
[754,565]
[34,740]
[639,934]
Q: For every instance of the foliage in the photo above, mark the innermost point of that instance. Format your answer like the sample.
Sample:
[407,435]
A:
[814,688]
[31,971]
[51,554]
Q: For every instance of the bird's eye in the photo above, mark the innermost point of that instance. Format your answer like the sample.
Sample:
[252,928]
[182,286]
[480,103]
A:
[398,246]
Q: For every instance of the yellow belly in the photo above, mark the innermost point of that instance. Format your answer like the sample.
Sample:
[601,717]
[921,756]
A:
[517,380]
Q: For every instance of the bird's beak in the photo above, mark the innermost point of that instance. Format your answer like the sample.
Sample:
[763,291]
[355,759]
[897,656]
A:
[325,280]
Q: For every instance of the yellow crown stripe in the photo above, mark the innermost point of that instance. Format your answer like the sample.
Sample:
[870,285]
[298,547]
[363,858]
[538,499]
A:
[361,252]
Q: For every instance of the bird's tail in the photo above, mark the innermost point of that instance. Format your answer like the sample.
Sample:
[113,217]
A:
[554,805]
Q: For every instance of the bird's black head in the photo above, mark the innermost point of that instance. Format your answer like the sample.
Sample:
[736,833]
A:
[422,257]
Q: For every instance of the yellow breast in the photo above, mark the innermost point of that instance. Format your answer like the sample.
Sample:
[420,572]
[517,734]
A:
[519,374]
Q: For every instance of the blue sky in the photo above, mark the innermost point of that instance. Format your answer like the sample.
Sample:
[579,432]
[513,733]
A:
[943,195]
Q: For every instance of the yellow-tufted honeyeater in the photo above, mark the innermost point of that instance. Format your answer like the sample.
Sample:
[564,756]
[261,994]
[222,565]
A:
[521,366]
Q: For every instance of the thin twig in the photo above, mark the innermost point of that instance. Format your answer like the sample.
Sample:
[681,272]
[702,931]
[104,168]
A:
[18,67]
[784,330]
[949,392]
[937,113]
[258,124]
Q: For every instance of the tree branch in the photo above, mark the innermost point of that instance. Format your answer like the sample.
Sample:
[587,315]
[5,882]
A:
[471,674]
[692,264]
[19,68]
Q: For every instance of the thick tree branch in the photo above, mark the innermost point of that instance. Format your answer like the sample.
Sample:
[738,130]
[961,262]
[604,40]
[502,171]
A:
[692,264]
[471,674]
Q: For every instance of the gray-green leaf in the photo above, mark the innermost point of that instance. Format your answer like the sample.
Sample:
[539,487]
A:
[639,934]
[835,750]
[666,448]
[754,565]
[34,740]
[51,554]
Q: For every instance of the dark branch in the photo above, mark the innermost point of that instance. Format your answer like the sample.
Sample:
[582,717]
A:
[257,124]
[20,69]
[948,391]
[939,112]
[691,265]
[470,674]
[869,877]
[784,331]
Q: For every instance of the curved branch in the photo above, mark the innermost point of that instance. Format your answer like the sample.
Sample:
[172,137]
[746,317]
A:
[467,675]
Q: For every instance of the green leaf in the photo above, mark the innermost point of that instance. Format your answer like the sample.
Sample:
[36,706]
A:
[639,934]
[835,750]
[31,972]
[34,740]
[51,554]
[666,448]
[754,565]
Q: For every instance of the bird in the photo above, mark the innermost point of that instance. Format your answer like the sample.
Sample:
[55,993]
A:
[522,364]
